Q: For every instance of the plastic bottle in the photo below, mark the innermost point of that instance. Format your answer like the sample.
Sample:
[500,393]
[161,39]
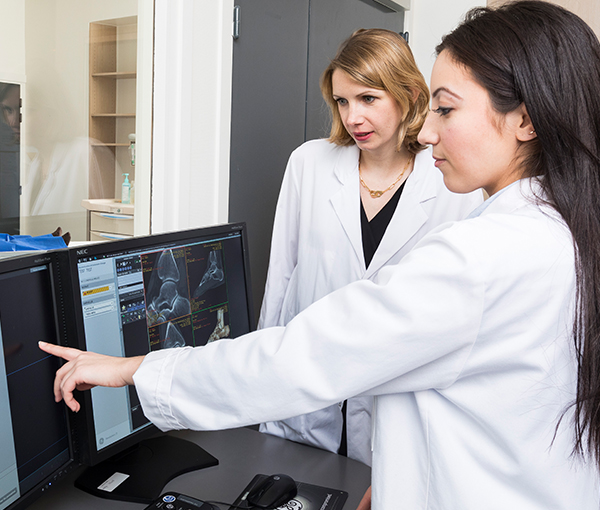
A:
[126,190]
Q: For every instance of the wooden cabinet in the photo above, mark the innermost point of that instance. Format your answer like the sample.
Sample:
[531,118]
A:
[108,219]
[112,67]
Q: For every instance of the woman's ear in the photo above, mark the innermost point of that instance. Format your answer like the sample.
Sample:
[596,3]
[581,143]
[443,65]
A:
[415,94]
[525,129]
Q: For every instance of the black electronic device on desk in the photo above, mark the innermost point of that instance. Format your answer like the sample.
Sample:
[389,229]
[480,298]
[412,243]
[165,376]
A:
[274,492]
[176,501]
[129,298]
[263,493]
[35,445]
[307,497]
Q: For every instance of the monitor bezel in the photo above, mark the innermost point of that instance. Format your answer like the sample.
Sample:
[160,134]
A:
[83,429]
[16,262]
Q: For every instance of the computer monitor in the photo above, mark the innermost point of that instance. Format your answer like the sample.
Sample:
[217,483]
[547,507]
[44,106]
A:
[35,447]
[136,296]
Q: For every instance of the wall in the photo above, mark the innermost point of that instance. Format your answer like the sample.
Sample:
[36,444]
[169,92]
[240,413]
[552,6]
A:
[588,10]
[12,41]
[192,112]
[427,21]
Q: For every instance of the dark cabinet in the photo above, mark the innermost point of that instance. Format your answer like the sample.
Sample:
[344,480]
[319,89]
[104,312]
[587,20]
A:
[282,49]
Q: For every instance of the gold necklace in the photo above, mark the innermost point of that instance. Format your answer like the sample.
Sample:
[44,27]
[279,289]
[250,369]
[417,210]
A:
[377,193]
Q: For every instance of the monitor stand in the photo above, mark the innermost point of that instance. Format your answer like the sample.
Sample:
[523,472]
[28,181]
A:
[146,467]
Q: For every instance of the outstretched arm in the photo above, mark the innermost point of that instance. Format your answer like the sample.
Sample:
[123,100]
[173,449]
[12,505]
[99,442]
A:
[85,370]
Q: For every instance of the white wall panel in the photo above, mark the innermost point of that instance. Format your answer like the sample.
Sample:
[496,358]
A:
[192,111]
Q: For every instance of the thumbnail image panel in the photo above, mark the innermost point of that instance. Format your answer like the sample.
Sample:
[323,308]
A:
[165,285]
[175,333]
[210,325]
[206,275]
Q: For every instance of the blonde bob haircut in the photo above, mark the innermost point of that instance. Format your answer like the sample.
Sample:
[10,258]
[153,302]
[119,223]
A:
[380,59]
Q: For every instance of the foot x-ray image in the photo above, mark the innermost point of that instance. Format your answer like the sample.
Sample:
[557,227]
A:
[211,324]
[214,276]
[221,329]
[167,291]
[207,276]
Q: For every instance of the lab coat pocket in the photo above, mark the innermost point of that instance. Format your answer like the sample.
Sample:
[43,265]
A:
[289,306]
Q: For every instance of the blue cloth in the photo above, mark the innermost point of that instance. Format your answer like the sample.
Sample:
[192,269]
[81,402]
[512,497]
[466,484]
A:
[22,243]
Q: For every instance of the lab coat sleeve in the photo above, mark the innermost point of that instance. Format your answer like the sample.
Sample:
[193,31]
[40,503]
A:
[410,330]
[283,257]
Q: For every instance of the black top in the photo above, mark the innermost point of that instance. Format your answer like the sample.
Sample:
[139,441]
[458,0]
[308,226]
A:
[372,231]
[372,234]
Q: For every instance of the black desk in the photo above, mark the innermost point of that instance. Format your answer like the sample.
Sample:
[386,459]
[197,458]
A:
[242,453]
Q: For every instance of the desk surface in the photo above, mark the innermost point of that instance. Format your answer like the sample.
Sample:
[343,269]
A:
[242,453]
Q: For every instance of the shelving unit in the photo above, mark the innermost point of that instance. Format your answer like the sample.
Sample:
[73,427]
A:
[112,66]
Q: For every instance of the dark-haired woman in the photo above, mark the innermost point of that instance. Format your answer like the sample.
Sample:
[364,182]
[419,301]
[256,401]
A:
[485,338]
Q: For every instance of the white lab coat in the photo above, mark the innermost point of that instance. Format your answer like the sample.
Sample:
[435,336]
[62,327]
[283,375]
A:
[469,357]
[317,248]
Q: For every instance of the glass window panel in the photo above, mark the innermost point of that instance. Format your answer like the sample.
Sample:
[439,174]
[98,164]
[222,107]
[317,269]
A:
[74,136]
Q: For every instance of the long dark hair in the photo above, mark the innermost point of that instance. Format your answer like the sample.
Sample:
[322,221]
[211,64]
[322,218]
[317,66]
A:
[545,57]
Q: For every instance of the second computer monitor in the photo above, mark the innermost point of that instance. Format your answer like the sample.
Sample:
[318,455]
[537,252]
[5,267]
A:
[157,292]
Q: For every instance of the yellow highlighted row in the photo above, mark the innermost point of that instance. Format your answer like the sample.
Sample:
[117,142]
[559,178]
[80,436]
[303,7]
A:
[95,291]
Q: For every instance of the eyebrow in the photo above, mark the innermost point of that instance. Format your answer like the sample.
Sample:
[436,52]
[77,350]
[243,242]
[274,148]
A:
[444,89]
[367,91]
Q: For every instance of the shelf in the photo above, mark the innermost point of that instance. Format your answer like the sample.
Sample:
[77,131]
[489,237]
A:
[109,205]
[110,145]
[114,115]
[112,104]
[115,75]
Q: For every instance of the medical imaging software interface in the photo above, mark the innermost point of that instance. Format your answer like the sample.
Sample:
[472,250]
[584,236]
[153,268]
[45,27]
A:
[142,301]
[34,440]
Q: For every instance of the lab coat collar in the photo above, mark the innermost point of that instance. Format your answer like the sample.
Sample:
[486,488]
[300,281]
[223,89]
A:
[513,196]
[345,200]
[410,215]
[407,219]
[346,164]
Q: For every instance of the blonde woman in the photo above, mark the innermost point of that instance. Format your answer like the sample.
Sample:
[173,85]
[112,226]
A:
[353,204]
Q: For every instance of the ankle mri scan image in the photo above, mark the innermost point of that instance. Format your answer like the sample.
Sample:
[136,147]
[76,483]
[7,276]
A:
[171,300]
[186,296]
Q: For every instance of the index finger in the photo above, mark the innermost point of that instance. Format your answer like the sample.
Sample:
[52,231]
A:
[67,353]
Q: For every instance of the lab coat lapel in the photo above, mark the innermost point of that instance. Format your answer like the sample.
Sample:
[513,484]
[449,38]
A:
[345,199]
[408,218]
